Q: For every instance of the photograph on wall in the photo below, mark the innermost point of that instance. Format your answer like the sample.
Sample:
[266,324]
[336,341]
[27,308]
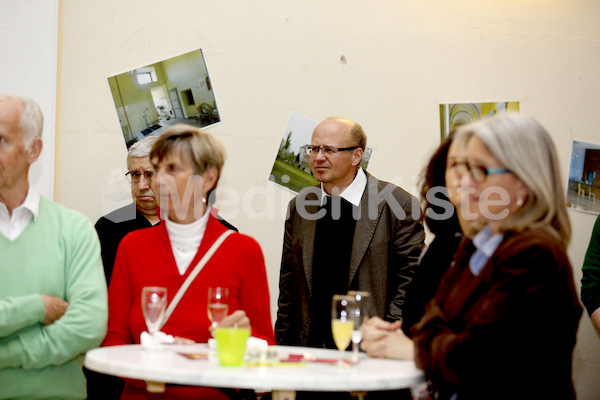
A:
[291,169]
[454,115]
[152,98]
[583,190]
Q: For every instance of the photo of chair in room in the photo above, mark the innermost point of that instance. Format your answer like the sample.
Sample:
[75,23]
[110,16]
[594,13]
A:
[584,177]
[152,98]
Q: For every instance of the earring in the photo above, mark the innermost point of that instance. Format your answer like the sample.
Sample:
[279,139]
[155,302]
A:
[520,201]
[204,200]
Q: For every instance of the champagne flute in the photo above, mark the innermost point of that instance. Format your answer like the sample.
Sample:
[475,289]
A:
[361,313]
[154,305]
[342,322]
[218,304]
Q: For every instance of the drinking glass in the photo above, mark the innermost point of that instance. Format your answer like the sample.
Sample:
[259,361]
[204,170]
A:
[342,322]
[218,304]
[361,313]
[154,305]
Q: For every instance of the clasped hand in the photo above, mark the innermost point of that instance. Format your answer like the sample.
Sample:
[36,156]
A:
[384,339]
[54,308]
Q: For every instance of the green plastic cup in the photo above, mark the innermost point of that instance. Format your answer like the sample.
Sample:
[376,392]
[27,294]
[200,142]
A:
[231,345]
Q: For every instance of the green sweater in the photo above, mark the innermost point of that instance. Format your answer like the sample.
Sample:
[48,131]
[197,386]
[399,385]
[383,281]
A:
[58,254]
[590,281]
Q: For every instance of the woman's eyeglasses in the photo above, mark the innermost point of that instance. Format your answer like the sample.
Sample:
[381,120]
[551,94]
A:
[478,172]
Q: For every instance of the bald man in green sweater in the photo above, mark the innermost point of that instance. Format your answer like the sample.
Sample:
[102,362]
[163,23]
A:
[53,304]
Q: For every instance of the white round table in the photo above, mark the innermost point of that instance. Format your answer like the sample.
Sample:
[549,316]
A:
[284,379]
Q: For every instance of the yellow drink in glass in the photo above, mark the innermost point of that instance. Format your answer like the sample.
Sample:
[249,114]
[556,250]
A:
[231,345]
[342,332]
[343,309]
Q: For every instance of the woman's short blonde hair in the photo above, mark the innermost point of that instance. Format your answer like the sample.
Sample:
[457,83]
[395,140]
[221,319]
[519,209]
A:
[524,147]
[205,150]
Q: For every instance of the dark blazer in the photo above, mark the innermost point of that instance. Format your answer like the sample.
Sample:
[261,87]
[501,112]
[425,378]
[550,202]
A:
[509,332]
[112,228]
[386,246]
[434,264]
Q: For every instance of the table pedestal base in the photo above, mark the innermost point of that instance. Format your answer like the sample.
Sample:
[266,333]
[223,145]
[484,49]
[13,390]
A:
[155,387]
[283,395]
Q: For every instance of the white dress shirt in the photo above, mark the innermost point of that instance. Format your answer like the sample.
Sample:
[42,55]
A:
[12,226]
[353,193]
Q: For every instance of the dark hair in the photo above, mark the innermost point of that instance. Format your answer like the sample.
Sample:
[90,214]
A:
[434,175]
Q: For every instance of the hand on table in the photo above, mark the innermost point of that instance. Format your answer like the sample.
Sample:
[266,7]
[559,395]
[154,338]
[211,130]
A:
[385,340]
[237,319]
[181,340]
[54,308]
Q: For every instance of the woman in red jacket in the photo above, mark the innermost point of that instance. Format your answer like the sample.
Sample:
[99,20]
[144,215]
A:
[187,165]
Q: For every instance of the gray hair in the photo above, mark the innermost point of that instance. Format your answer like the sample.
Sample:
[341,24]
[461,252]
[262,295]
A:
[524,147]
[141,148]
[358,134]
[32,119]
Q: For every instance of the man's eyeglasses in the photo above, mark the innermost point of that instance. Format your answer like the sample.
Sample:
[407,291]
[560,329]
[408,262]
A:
[136,176]
[328,151]
[478,172]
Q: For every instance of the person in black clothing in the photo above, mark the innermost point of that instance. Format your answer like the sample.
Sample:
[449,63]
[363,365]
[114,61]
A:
[440,200]
[113,227]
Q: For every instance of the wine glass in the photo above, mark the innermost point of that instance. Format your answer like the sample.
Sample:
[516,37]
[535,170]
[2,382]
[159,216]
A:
[154,305]
[218,304]
[361,313]
[342,322]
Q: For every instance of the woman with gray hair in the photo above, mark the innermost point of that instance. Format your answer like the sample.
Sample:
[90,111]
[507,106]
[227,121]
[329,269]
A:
[504,320]
[187,164]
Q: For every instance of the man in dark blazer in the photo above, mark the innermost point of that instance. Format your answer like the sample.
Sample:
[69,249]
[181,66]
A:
[352,232]
[113,227]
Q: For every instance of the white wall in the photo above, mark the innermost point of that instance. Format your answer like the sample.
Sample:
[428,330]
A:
[403,58]
[28,68]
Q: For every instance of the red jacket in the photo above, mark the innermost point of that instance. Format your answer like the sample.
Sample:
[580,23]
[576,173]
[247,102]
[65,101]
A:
[145,258]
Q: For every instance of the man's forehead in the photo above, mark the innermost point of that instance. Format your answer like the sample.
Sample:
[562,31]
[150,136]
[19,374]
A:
[10,109]
[331,134]
[140,163]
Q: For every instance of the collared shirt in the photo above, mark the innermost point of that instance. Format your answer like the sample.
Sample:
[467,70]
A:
[185,240]
[353,193]
[486,243]
[12,226]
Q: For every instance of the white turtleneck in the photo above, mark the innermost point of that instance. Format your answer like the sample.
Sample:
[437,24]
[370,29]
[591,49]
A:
[185,240]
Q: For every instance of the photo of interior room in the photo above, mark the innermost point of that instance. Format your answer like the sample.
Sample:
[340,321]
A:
[149,99]
[583,192]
